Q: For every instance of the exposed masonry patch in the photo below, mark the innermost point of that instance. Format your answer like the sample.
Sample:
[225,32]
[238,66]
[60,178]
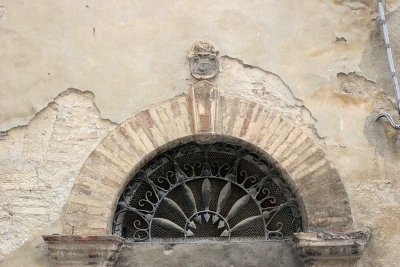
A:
[380,134]
[39,163]
[253,83]
[362,89]
[202,113]
[356,85]
[385,140]
[68,91]
[357,5]
[41,160]
[3,127]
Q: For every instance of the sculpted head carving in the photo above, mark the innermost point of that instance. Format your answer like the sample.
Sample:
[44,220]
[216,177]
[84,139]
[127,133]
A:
[203,60]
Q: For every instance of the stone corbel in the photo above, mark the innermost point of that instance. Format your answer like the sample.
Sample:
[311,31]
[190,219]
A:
[330,249]
[83,250]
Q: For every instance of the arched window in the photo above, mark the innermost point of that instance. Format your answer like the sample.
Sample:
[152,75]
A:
[215,191]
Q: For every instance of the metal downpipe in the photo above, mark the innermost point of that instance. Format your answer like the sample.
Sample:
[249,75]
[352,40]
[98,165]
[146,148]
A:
[395,81]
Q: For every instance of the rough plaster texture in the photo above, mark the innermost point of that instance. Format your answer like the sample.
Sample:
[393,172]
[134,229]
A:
[255,84]
[273,254]
[39,163]
[329,54]
[121,49]
[204,115]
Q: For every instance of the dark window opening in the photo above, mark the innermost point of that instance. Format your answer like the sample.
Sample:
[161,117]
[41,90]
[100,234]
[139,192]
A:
[213,191]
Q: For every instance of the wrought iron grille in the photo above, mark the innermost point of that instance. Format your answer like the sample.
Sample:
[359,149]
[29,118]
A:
[207,191]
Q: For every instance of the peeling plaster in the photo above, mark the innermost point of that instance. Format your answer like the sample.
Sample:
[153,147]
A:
[129,66]
[330,55]
[256,84]
[53,103]
[39,163]
[45,156]
[366,154]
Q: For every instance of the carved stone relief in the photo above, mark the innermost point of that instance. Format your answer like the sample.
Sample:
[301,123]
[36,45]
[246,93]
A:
[203,60]
[203,111]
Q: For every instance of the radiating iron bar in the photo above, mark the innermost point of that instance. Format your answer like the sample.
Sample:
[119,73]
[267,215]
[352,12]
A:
[161,193]
[389,54]
[202,177]
[240,185]
[207,211]
[257,202]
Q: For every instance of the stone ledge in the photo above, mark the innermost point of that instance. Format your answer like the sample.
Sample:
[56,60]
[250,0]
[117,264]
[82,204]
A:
[83,250]
[330,249]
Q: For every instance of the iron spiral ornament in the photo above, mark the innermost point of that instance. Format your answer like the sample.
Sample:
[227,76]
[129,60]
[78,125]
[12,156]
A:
[213,191]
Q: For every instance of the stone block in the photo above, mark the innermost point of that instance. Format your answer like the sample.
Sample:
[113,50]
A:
[328,249]
[99,251]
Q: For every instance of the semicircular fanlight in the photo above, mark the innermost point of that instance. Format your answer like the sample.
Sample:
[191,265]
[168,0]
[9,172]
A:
[207,191]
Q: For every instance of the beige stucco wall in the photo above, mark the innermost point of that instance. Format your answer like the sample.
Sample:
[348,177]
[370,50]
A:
[325,68]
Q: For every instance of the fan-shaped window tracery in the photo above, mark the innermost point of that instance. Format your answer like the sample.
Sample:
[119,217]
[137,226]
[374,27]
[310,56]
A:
[213,191]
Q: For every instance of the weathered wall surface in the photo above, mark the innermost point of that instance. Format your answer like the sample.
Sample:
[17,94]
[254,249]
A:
[273,255]
[130,55]
[326,69]
[40,161]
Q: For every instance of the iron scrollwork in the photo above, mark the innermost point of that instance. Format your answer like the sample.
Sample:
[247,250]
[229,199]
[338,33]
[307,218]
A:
[214,191]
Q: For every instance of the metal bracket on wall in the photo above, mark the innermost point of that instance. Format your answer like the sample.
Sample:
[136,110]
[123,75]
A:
[395,81]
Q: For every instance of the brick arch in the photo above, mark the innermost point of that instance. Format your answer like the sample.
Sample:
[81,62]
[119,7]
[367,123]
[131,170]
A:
[203,113]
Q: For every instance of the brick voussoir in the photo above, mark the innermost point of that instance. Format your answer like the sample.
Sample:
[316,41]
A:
[109,167]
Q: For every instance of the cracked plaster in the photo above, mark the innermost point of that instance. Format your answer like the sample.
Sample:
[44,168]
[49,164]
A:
[112,49]
[329,54]
[39,163]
